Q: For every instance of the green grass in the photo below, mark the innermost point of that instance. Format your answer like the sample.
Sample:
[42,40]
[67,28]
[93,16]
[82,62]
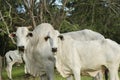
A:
[18,74]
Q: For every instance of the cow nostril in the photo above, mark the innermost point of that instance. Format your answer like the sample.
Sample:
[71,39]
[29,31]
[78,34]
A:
[21,48]
[54,49]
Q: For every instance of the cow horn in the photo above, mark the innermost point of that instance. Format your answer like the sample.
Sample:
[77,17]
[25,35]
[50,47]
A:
[29,27]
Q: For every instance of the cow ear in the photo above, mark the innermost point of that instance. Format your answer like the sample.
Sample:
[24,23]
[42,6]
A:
[30,34]
[46,38]
[12,34]
[29,27]
[61,37]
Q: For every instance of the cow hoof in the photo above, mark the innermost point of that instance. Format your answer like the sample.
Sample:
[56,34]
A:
[27,75]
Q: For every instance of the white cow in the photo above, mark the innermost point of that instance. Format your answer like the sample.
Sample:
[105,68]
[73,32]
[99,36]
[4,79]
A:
[73,57]
[85,35]
[23,36]
[12,57]
[40,59]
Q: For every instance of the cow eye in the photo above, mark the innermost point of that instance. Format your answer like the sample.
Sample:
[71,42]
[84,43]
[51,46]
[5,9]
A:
[61,37]
[29,35]
[46,38]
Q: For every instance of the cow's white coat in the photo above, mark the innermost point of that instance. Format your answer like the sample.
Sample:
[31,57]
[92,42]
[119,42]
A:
[12,57]
[73,57]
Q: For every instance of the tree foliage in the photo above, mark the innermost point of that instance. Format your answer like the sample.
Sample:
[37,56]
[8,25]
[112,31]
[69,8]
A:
[65,15]
[99,15]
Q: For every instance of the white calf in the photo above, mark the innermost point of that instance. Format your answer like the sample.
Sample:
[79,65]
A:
[12,57]
[74,57]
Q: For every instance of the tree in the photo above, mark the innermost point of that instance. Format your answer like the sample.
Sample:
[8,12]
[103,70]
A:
[29,12]
[99,15]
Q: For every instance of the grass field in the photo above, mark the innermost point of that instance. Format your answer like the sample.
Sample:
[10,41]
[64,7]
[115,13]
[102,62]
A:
[18,74]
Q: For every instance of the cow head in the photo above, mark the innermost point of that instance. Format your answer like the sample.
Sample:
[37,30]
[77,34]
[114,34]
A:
[22,35]
[54,39]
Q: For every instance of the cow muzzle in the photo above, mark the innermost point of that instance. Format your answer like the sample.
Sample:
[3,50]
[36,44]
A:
[21,48]
[54,49]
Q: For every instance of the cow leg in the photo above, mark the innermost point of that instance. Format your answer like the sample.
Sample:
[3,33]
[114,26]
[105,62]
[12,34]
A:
[69,78]
[50,71]
[116,75]
[27,74]
[113,70]
[76,73]
[9,70]
[25,69]
[99,76]
[25,64]
[43,77]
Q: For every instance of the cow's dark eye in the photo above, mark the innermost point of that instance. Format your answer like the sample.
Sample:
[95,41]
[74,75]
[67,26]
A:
[61,37]
[46,38]
[29,35]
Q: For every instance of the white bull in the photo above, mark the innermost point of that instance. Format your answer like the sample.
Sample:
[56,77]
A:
[40,59]
[12,57]
[24,38]
[73,57]
[87,35]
